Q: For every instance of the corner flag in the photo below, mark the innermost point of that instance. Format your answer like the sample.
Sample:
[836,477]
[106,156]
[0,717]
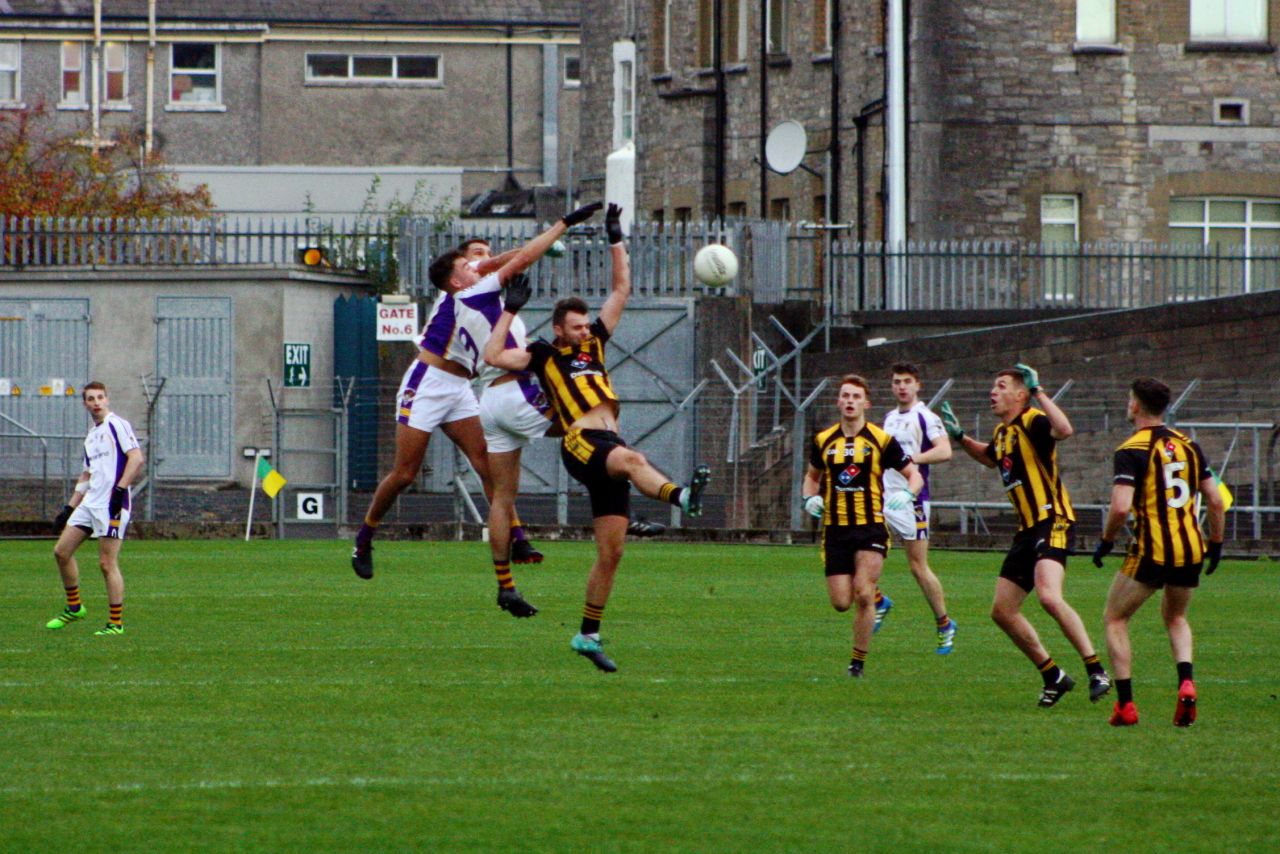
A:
[272,480]
[1227,498]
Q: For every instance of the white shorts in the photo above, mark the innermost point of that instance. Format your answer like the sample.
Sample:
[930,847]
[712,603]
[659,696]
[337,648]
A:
[513,413]
[429,397]
[909,523]
[100,521]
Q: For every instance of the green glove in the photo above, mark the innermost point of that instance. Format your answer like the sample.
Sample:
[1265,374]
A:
[1030,377]
[950,422]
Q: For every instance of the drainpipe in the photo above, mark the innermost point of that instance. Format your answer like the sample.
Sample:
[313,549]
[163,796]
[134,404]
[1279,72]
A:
[149,137]
[721,108]
[895,156]
[833,172]
[511,150]
[95,76]
[764,109]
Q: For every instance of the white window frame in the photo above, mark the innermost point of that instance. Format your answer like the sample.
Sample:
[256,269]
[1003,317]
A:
[1095,22]
[1248,224]
[352,80]
[624,84]
[1061,275]
[779,8]
[16,70]
[1211,20]
[123,102]
[571,82]
[81,101]
[666,34]
[197,106]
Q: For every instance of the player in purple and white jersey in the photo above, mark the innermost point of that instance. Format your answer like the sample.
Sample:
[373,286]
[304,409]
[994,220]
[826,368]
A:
[921,434]
[99,507]
[436,390]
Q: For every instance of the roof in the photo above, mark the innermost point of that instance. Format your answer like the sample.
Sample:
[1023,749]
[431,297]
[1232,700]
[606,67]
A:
[385,12]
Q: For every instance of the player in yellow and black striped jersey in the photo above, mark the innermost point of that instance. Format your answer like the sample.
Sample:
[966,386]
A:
[844,486]
[1023,448]
[572,372]
[1160,476]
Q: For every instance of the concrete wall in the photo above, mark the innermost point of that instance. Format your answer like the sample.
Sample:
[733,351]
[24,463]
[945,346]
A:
[270,306]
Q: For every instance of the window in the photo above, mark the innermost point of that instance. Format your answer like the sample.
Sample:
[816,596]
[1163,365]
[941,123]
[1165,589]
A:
[115,73]
[822,26]
[736,21]
[624,92]
[72,75]
[195,74]
[1229,20]
[10,65]
[777,26]
[1095,21]
[662,36]
[1235,229]
[1059,232]
[373,68]
[780,209]
[706,33]
[572,70]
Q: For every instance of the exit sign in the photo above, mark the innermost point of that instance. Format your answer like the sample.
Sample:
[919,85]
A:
[297,366]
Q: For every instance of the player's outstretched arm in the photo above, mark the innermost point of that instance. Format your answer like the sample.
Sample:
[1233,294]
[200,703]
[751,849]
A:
[536,248]
[489,265]
[1059,425]
[496,352]
[951,423]
[611,311]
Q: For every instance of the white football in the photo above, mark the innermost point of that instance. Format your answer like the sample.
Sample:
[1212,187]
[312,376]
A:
[715,265]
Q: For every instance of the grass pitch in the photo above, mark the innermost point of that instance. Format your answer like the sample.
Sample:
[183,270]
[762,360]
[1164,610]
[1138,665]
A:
[265,699]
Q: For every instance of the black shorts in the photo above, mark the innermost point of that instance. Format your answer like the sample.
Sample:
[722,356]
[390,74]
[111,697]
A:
[1050,539]
[584,453]
[1142,569]
[841,543]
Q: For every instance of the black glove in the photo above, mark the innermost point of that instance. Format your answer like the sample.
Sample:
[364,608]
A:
[60,521]
[613,224]
[1104,548]
[582,214]
[1215,555]
[119,498]
[518,293]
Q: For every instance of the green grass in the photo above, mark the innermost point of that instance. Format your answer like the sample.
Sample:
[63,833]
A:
[265,699]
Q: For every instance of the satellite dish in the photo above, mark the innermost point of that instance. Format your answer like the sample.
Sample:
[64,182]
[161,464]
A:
[785,146]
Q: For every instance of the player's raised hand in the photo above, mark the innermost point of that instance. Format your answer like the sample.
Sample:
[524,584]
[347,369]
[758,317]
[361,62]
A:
[1214,553]
[517,293]
[950,422]
[582,214]
[1104,548]
[613,224]
[1030,377]
[814,505]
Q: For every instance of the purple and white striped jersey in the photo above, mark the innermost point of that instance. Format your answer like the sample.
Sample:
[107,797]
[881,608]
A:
[916,429]
[104,457]
[477,312]
[456,334]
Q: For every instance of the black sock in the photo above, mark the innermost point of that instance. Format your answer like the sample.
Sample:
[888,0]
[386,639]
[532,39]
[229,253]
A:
[1124,691]
[1184,671]
[1049,671]
[1093,666]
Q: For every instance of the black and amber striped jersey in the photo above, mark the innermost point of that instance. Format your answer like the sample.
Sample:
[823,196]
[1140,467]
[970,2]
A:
[1165,468]
[1026,455]
[854,466]
[574,378]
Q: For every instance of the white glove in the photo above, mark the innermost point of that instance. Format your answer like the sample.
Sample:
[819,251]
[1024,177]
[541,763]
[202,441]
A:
[814,505]
[900,500]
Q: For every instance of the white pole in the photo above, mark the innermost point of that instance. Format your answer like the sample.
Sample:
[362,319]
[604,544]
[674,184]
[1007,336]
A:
[896,156]
[253,491]
[151,83]
[95,72]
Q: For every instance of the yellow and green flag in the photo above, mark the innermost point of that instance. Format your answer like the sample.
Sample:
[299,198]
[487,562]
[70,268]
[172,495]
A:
[272,480]
[1227,498]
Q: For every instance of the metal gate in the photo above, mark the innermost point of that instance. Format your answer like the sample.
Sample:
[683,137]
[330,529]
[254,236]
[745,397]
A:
[44,360]
[651,361]
[194,358]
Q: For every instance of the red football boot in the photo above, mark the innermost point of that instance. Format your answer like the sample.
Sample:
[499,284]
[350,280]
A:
[1124,715]
[1185,715]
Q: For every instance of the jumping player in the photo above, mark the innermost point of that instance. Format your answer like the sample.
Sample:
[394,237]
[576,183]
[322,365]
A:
[1160,474]
[572,372]
[100,506]
[436,391]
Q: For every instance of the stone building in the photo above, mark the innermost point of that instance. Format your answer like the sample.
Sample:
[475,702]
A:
[292,88]
[1059,120]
